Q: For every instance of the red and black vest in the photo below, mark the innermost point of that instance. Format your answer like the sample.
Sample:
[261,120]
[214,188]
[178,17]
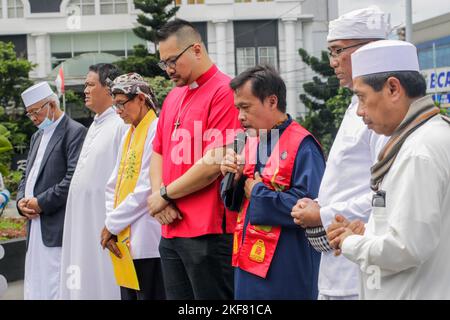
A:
[255,253]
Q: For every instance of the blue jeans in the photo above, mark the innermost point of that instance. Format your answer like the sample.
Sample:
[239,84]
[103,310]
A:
[198,268]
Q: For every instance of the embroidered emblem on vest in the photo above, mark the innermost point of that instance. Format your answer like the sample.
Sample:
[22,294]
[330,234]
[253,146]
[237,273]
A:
[263,228]
[258,251]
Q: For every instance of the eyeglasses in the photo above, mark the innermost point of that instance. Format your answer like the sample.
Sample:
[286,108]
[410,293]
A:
[172,63]
[36,113]
[337,52]
[121,105]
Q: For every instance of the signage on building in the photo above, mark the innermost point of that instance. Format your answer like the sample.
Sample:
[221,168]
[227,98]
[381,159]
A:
[442,98]
[438,80]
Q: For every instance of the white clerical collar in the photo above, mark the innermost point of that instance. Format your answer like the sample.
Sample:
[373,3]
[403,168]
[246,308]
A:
[193,85]
[53,126]
[105,114]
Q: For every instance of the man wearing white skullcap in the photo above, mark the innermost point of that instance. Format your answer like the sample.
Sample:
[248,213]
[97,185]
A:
[403,251]
[345,185]
[42,192]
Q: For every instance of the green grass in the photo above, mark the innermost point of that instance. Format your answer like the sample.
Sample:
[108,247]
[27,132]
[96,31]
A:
[11,228]
[8,224]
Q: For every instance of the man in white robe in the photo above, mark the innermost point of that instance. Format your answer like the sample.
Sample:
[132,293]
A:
[86,271]
[403,252]
[42,192]
[345,185]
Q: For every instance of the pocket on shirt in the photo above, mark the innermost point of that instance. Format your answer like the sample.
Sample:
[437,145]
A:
[380,220]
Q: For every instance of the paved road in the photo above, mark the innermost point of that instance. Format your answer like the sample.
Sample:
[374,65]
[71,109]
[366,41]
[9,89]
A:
[14,291]
[11,210]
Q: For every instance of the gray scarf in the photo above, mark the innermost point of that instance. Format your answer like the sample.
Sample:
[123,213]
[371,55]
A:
[419,112]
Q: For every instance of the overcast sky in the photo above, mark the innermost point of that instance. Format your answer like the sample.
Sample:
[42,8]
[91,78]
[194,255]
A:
[422,9]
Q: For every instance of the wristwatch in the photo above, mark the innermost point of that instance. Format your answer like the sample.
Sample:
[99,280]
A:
[163,193]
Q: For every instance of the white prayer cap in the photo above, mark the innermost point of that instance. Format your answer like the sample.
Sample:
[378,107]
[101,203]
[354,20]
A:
[36,93]
[384,56]
[367,23]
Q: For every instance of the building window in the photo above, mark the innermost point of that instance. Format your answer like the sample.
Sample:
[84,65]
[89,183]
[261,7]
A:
[267,55]
[264,0]
[87,7]
[196,1]
[66,46]
[178,2]
[249,57]
[240,1]
[256,42]
[245,58]
[113,6]
[15,9]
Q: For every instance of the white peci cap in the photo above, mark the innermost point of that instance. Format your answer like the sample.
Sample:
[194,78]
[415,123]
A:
[384,56]
[367,23]
[36,93]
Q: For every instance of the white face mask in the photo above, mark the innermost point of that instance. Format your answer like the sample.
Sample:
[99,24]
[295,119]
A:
[47,122]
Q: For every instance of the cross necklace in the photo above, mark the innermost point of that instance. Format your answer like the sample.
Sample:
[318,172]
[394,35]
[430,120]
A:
[181,110]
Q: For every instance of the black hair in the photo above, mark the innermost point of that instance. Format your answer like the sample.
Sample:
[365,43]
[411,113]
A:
[177,27]
[265,82]
[105,71]
[412,81]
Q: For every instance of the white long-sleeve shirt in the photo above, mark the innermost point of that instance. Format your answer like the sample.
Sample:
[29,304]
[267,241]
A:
[345,190]
[404,253]
[145,230]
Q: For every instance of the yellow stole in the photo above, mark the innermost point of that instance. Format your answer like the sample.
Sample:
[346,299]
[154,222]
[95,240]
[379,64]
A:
[130,165]
[129,169]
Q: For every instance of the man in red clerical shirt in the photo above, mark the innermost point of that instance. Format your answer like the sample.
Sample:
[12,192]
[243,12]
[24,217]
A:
[197,120]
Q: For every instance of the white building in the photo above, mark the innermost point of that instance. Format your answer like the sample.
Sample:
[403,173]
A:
[238,33]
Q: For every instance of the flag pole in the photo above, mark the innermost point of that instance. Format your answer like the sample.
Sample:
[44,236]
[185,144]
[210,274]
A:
[64,102]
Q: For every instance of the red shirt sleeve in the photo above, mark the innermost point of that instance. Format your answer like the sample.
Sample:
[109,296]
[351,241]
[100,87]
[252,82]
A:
[157,140]
[223,122]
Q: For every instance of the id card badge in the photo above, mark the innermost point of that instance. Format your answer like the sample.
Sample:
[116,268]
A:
[379,199]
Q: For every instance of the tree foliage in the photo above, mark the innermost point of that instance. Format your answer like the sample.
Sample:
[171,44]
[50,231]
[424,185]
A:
[324,100]
[15,127]
[155,14]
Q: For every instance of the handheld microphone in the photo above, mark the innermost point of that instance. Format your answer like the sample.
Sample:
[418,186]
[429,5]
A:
[238,146]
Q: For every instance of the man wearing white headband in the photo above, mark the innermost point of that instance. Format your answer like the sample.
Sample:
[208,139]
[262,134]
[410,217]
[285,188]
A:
[345,185]
[403,251]
[43,190]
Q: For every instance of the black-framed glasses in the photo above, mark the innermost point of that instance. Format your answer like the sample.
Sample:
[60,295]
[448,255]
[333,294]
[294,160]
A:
[172,63]
[36,113]
[337,52]
[121,105]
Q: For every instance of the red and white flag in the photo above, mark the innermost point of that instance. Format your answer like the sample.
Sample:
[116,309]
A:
[60,81]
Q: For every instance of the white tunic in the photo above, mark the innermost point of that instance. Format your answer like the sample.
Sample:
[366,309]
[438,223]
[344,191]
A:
[404,253]
[42,264]
[345,190]
[86,271]
[145,230]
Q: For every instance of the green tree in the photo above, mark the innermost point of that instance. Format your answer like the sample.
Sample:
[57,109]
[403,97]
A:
[155,15]
[324,100]
[13,79]
[161,86]
[15,127]
[141,62]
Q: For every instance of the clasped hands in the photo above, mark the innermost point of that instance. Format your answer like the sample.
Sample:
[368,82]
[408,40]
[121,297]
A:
[163,211]
[340,229]
[306,213]
[29,207]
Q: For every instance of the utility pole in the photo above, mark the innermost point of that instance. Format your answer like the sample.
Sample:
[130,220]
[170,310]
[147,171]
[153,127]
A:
[408,20]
